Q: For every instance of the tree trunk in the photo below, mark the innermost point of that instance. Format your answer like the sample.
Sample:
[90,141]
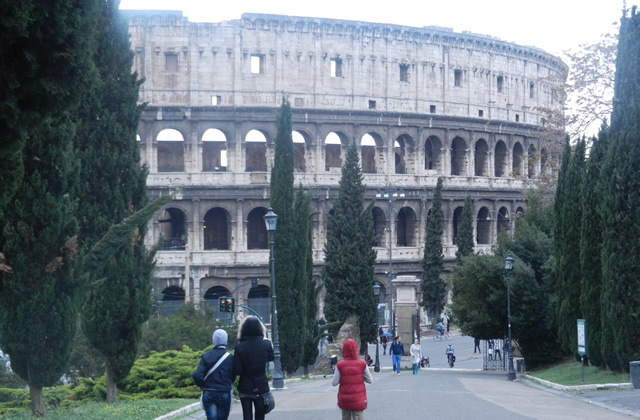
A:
[306,370]
[112,390]
[37,403]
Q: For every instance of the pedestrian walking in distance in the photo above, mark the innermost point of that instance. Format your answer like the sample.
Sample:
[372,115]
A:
[416,355]
[214,376]
[396,351]
[476,345]
[351,374]
[250,359]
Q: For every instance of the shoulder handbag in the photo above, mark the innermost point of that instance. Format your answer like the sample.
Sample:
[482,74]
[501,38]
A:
[220,360]
[268,402]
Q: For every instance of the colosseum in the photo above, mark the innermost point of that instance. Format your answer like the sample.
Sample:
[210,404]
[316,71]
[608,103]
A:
[421,103]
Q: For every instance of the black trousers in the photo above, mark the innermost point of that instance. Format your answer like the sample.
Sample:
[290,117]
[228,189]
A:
[247,408]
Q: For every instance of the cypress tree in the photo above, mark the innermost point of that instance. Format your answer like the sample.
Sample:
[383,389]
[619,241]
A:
[568,272]
[434,289]
[120,302]
[590,251]
[45,49]
[290,287]
[464,239]
[620,209]
[349,270]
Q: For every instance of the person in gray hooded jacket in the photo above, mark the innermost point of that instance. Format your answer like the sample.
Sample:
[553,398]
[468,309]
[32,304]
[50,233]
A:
[216,386]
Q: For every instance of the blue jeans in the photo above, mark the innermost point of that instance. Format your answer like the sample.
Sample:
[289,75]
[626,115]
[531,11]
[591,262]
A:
[216,404]
[415,368]
[396,362]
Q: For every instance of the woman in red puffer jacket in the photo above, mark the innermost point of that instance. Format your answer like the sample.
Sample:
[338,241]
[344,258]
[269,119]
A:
[351,373]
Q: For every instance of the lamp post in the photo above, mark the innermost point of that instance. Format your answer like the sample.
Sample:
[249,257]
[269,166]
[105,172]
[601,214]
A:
[271,220]
[376,365]
[508,267]
[390,192]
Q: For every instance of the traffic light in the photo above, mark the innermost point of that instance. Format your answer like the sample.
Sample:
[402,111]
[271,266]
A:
[227,304]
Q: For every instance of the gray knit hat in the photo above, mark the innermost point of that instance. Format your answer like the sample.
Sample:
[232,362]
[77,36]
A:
[219,338]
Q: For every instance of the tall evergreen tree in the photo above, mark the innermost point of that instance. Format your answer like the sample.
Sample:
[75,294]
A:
[434,288]
[620,209]
[348,273]
[304,270]
[464,240]
[290,286]
[568,272]
[46,48]
[120,302]
[590,250]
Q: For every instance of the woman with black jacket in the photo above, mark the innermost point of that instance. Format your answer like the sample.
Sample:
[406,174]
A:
[216,386]
[250,359]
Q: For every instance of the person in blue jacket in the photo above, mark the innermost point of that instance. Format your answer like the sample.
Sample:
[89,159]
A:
[216,386]
[396,351]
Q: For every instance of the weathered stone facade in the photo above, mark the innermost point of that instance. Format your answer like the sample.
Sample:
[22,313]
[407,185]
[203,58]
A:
[420,102]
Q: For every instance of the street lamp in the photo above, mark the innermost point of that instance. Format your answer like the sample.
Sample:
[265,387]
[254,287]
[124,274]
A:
[390,192]
[508,267]
[376,293]
[271,221]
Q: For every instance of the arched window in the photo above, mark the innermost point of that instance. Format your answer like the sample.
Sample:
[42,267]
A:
[400,150]
[256,230]
[213,294]
[255,151]
[531,162]
[483,227]
[379,225]
[432,148]
[299,144]
[500,158]
[504,220]
[170,151]
[517,159]
[406,227]
[332,151]
[258,300]
[458,157]
[214,151]
[368,154]
[481,154]
[172,299]
[172,229]
[457,218]
[216,229]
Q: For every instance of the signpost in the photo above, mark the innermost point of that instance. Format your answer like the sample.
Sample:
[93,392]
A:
[582,343]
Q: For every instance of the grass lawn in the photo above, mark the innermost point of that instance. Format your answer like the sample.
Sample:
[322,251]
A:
[569,373]
[122,410]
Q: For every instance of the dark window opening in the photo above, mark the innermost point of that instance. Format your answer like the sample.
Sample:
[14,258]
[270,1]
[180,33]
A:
[216,230]
[432,109]
[500,83]
[170,156]
[372,104]
[531,90]
[172,229]
[256,230]
[171,63]
[457,78]
[404,72]
[480,113]
[517,117]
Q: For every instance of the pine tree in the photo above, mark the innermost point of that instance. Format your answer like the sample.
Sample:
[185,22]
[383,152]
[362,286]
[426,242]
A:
[120,301]
[348,273]
[45,65]
[620,209]
[464,240]
[290,286]
[434,289]
[568,272]
[590,251]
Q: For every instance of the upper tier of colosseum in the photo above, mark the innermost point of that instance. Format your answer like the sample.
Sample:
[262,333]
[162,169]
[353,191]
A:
[340,65]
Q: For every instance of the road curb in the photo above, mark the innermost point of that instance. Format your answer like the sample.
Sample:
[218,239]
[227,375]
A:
[180,412]
[591,387]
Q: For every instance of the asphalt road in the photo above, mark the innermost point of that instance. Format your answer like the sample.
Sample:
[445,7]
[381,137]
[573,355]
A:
[439,392]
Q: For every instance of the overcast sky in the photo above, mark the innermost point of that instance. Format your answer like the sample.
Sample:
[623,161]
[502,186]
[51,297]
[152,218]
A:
[553,25]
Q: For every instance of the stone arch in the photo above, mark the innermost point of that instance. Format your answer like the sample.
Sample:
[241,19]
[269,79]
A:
[170,150]
[458,156]
[455,222]
[402,147]
[379,225]
[531,162]
[300,140]
[500,159]
[173,228]
[369,142]
[255,143]
[172,299]
[214,150]
[504,220]
[518,153]
[212,295]
[483,227]
[333,143]
[406,227]
[481,154]
[432,147]
[258,299]
[216,229]
[256,230]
